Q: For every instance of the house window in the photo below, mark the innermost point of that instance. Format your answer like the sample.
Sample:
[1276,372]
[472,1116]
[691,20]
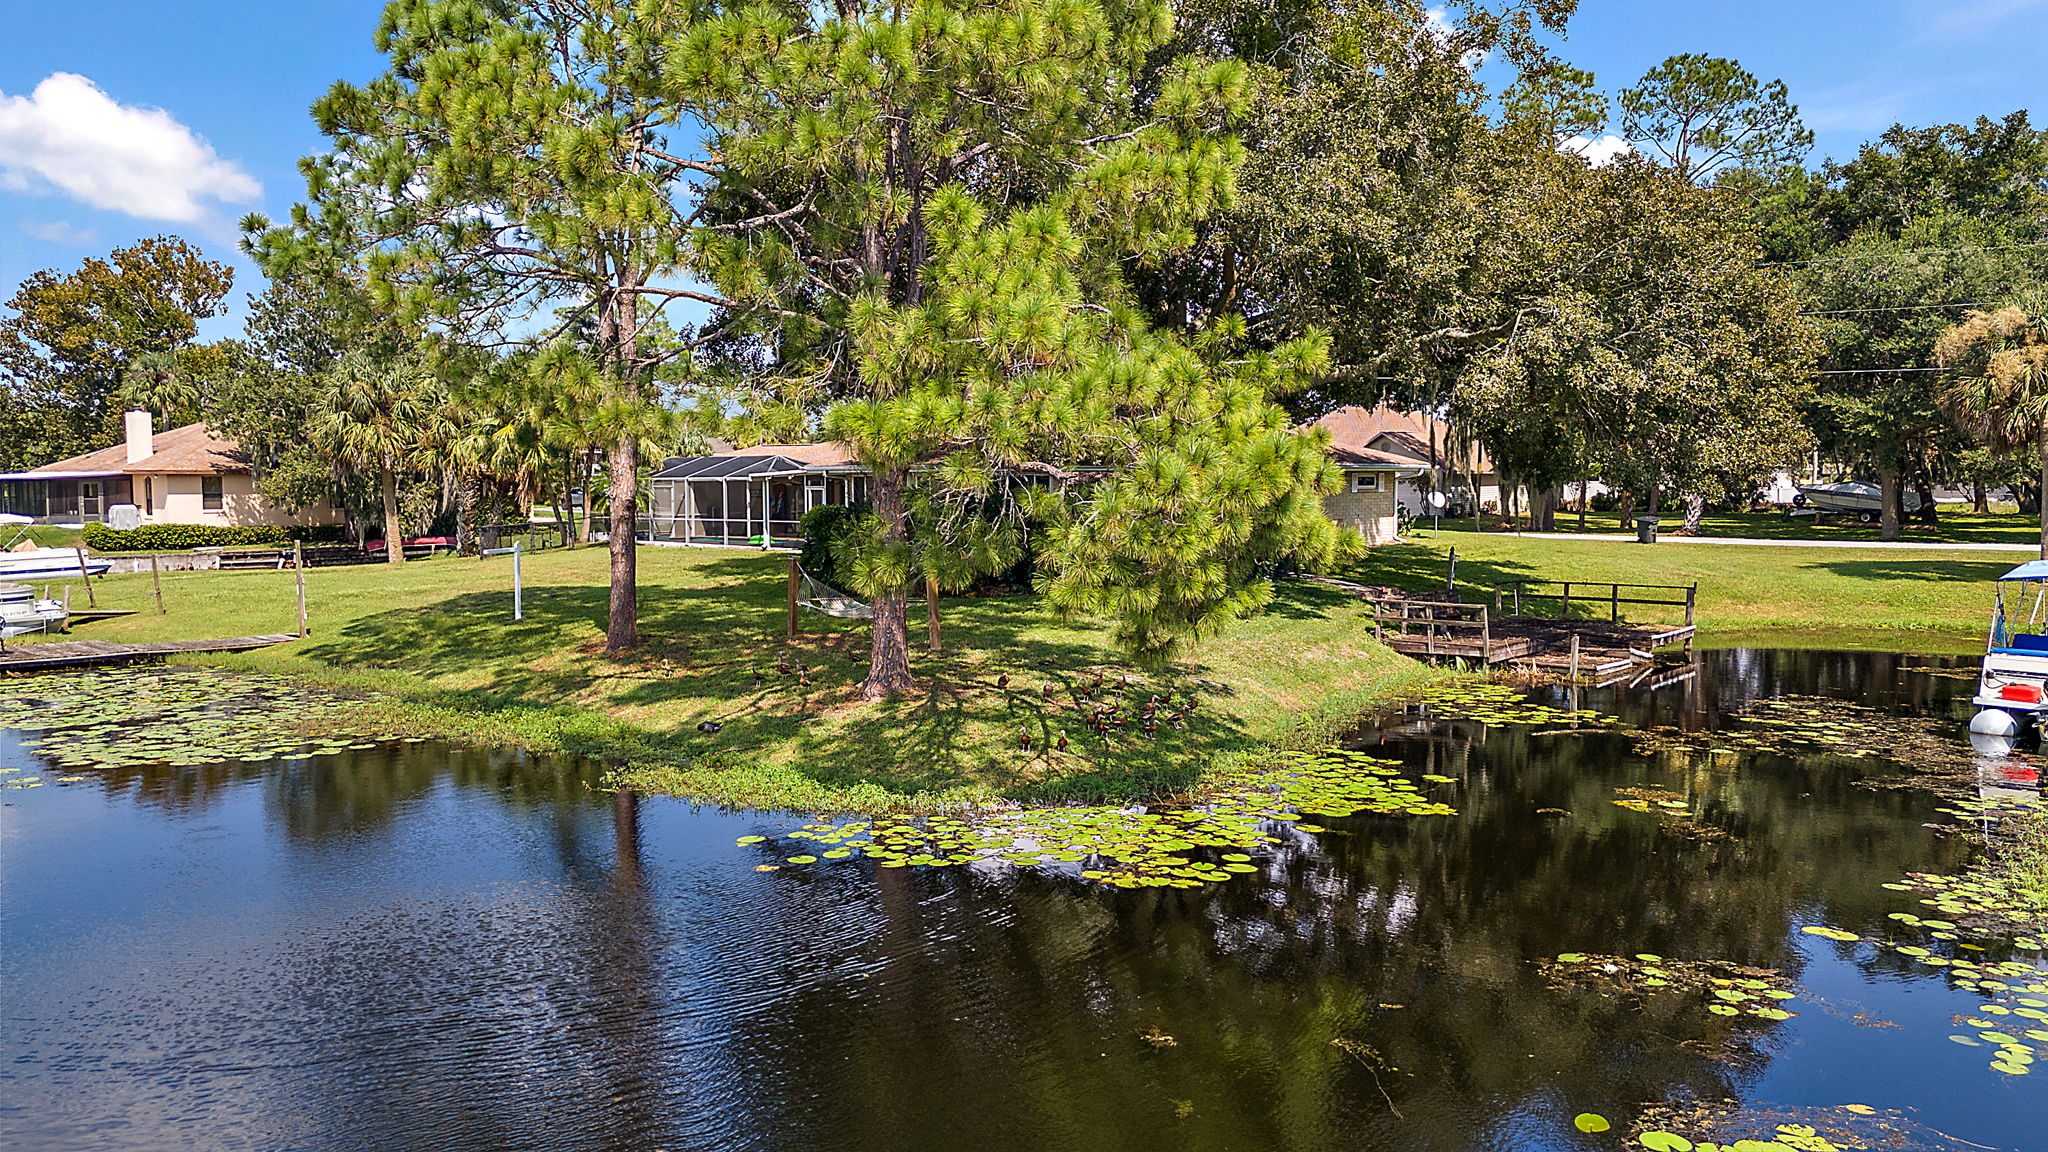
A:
[1365,481]
[149,493]
[209,493]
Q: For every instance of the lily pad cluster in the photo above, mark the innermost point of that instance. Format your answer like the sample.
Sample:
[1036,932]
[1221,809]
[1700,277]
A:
[174,716]
[1241,811]
[1691,1126]
[1815,725]
[2013,1018]
[1725,989]
[1493,703]
[1652,800]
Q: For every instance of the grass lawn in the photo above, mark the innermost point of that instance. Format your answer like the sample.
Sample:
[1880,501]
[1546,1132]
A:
[435,638]
[1911,600]
[48,536]
[1957,527]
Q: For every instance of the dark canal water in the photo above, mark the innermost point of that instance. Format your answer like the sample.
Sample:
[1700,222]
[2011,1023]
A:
[424,947]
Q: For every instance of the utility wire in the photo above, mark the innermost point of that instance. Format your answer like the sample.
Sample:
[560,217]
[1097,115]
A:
[1904,308]
[1888,255]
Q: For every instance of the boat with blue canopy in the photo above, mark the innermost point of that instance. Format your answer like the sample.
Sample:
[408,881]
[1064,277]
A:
[2013,692]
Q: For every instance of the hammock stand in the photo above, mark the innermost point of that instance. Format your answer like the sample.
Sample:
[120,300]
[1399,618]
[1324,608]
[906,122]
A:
[829,601]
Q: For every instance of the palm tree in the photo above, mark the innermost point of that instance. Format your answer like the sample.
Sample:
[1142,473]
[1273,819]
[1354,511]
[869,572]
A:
[159,382]
[2000,390]
[382,415]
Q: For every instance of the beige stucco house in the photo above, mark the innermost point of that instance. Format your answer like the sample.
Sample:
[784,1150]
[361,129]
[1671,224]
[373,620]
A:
[181,476]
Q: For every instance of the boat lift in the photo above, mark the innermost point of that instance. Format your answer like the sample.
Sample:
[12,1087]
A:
[2013,692]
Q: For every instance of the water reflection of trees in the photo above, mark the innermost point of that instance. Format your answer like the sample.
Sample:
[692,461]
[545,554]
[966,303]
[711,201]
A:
[1015,1005]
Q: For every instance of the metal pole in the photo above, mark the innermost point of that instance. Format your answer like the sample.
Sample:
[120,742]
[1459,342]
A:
[795,575]
[299,572]
[518,590]
[91,600]
[157,583]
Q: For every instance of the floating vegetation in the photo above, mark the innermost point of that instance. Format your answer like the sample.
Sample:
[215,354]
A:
[1732,1127]
[1724,989]
[1652,800]
[1493,703]
[1816,725]
[2006,892]
[174,716]
[1131,847]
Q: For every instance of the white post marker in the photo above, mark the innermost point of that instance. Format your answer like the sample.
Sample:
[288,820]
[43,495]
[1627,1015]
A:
[518,592]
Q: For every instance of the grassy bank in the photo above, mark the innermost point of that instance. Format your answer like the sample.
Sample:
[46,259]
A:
[436,642]
[1803,596]
[1957,527]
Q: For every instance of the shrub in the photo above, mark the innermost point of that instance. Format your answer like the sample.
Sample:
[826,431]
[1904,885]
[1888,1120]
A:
[179,537]
[821,526]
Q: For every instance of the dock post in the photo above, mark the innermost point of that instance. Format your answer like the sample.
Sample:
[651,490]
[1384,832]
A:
[1614,603]
[1575,658]
[156,583]
[1518,599]
[1485,637]
[67,608]
[91,600]
[298,575]
[1451,577]
[795,579]
[1691,594]
[1567,600]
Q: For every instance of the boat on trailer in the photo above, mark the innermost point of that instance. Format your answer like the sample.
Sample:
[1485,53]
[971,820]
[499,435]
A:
[1863,501]
[19,561]
[2013,692]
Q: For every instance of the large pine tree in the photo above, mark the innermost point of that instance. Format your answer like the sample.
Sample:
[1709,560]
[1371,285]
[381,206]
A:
[937,200]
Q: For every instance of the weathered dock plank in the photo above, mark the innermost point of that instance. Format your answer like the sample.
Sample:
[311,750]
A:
[82,653]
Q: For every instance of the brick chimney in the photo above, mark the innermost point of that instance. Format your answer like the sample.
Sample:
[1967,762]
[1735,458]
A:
[141,441]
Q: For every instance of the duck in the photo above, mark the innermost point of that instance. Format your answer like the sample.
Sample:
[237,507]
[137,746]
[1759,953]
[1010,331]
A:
[709,726]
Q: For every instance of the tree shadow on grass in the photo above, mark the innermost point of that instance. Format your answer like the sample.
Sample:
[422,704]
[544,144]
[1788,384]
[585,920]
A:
[713,655]
[1982,572]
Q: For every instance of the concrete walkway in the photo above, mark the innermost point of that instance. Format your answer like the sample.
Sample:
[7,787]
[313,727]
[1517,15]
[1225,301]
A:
[1899,545]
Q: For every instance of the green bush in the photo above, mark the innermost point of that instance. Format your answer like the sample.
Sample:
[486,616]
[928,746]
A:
[180,537]
[821,526]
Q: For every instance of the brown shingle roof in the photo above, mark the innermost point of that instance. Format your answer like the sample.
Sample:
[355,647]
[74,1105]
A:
[830,454]
[190,449]
[1388,431]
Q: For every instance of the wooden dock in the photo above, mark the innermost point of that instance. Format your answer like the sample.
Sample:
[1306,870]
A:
[1570,647]
[82,653]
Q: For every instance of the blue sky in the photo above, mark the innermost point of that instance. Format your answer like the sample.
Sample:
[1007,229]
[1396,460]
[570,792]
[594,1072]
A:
[180,115]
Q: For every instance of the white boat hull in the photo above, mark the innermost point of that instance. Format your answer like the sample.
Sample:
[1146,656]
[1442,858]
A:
[1853,498]
[48,564]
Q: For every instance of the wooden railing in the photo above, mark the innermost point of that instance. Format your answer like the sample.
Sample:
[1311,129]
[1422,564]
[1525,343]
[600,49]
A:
[1439,620]
[1509,597]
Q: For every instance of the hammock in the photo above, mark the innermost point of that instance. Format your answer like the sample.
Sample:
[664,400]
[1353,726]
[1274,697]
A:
[823,598]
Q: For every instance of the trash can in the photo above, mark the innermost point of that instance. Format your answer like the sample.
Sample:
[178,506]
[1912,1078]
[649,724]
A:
[1646,529]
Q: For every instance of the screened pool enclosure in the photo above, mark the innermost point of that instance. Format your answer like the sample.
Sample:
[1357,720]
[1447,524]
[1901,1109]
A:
[756,498]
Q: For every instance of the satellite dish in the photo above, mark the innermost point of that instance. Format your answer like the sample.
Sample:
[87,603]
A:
[1436,500]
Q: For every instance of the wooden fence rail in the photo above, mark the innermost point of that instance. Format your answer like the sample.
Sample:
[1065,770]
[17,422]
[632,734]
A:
[1508,596]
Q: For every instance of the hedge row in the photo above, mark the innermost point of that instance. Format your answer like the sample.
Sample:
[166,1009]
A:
[179,537]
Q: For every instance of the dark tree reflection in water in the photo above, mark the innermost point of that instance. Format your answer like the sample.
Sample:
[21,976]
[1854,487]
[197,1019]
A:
[423,947]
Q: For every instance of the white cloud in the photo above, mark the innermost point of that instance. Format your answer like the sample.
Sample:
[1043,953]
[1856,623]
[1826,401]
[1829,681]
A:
[1600,150]
[60,232]
[1438,21]
[125,158]
[1968,19]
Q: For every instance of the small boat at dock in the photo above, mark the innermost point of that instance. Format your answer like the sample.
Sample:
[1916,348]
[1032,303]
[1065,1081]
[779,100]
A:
[2013,690]
[21,561]
[22,612]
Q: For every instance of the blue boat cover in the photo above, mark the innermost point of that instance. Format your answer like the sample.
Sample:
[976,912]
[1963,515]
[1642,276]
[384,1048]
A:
[2031,570]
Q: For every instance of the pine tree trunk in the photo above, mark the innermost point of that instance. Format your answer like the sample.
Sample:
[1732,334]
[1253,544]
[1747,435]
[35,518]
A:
[622,629]
[1891,502]
[394,532]
[889,645]
[1695,511]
